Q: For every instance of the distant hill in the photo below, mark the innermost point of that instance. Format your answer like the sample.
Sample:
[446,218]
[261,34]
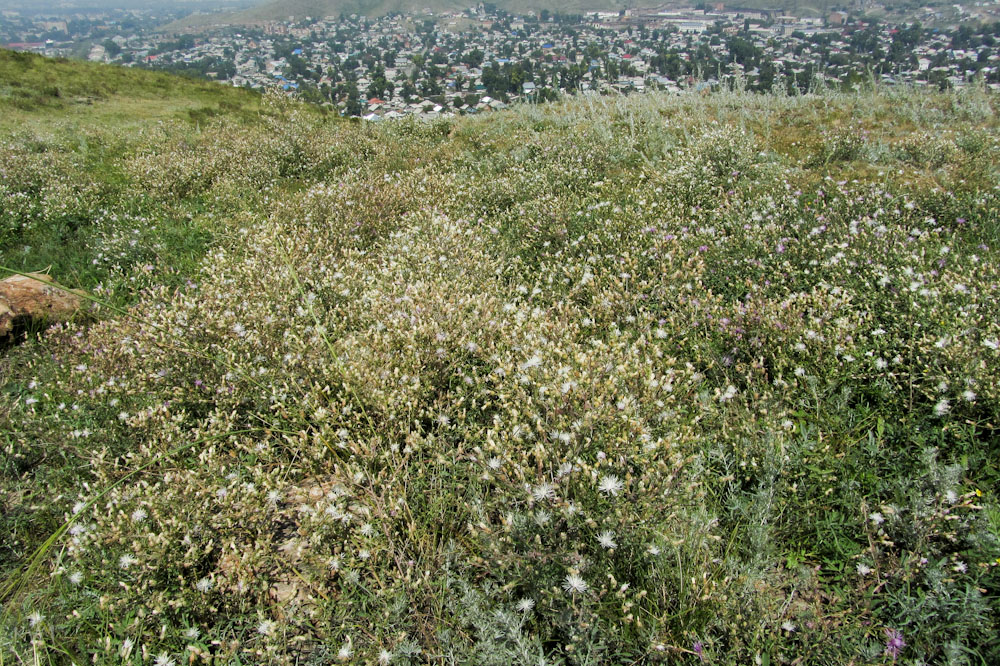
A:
[299,9]
[275,10]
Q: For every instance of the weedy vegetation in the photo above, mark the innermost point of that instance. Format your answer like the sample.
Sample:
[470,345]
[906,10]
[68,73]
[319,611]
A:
[697,379]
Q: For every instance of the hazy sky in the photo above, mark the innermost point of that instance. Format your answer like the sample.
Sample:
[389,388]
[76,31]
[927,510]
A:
[32,6]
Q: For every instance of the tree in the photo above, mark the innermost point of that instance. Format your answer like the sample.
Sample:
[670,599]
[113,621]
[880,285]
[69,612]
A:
[379,85]
[353,107]
[430,87]
[408,91]
[611,70]
[765,79]
[473,58]
[743,52]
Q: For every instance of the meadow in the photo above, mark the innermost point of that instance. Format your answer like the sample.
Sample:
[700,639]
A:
[656,379]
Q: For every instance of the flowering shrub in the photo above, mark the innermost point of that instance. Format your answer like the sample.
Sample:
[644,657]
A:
[602,382]
[41,185]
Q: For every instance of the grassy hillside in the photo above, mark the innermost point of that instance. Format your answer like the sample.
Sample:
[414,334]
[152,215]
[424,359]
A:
[36,90]
[619,380]
[66,128]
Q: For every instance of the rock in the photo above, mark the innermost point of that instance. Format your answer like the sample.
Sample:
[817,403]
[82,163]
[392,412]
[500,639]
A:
[35,297]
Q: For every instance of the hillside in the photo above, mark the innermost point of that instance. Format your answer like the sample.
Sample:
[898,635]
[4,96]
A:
[277,10]
[618,380]
[36,89]
[66,124]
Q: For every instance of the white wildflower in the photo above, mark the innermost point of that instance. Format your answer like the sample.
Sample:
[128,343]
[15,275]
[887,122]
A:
[575,584]
[543,491]
[532,362]
[610,485]
[164,659]
[345,651]
[607,540]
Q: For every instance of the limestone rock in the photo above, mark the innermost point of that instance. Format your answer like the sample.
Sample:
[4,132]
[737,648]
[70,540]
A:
[35,297]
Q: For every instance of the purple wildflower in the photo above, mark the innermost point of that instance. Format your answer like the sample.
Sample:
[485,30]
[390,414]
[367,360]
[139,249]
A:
[894,643]
[698,648]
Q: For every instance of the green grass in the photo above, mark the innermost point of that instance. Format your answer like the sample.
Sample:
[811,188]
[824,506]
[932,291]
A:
[79,124]
[41,92]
